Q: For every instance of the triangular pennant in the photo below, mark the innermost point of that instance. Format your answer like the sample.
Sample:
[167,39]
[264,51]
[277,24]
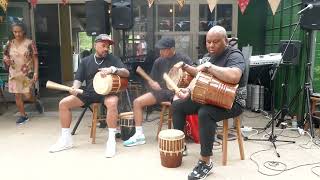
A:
[181,3]
[274,5]
[4,5]
[150,2]
[33,3]
[243,5]
[212,4]
[64,2]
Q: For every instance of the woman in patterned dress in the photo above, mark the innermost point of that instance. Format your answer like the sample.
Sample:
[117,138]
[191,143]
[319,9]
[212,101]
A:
[21,58]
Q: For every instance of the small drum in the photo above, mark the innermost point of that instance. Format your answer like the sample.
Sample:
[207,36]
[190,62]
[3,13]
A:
[127,126]
[180,77]
[171,145]
[206,89]
[109,84]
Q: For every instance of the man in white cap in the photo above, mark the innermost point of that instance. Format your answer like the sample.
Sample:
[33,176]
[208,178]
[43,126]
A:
[107,64]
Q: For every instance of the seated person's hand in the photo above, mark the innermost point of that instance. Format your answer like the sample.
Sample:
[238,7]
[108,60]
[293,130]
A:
[155,85]
[73,91]
[184,93]
[178,65]
[106,71]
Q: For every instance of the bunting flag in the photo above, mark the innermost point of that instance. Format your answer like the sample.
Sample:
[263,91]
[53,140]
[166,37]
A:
[181,3]
[150,2]
[243,5]
[3,5]
[274,5]
[33,3]
[212,4]
[64,2]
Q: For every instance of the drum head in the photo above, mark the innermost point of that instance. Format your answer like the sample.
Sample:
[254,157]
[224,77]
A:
[171,134]
[175,75]
[126,115]
[102,85]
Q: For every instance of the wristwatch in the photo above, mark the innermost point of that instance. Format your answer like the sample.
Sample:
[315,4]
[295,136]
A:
[207,65]
[114,69]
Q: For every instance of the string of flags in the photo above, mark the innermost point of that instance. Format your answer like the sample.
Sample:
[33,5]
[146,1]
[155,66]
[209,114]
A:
[243,4]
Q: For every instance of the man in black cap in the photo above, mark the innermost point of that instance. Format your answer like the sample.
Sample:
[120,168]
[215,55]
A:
[159,91]
[90,65]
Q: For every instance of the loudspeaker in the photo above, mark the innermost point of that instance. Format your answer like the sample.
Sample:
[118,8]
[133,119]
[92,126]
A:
[292,53]
[97,17]
[310,18]
[122,14]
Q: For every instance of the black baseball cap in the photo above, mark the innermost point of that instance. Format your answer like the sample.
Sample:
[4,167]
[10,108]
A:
[104,37]
[166,43]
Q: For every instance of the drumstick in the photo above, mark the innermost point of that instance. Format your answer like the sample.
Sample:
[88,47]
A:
[170,82]
[143,74]
[56,86]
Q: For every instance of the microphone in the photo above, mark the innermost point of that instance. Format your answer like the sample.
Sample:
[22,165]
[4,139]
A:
[310,6]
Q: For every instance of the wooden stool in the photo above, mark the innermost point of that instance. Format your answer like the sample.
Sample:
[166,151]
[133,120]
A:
[95,111]
[165,106]
[225,139]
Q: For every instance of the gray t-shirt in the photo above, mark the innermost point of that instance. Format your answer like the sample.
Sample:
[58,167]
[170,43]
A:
[163,65]
[232,57]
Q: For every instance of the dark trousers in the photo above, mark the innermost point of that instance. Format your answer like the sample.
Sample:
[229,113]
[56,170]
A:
[208,116]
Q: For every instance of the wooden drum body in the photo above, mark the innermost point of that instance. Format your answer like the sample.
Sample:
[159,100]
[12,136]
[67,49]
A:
[180,77]
[171,145]
[127,125]
[109,84]
[206,89]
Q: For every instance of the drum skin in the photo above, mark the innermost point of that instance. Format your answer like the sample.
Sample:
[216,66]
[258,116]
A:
[207,89]
[180,77]
[171,145]
[109,84]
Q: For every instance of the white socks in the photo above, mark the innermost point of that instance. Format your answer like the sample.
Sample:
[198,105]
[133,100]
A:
[65,133]
[111,143]
[139,131]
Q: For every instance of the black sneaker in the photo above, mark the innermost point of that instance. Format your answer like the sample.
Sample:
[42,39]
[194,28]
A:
[39,106]
[201,171]
[22,119]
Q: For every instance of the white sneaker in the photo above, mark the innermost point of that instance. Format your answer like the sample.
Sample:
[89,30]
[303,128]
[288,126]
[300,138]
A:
[62,144]
[110,149]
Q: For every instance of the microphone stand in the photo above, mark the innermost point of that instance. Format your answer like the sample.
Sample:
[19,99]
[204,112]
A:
[284,110]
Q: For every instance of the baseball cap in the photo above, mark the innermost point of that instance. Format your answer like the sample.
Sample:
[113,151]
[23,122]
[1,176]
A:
[165,43]
[104,37]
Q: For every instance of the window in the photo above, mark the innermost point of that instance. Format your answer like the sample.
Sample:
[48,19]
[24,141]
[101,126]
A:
[221,15]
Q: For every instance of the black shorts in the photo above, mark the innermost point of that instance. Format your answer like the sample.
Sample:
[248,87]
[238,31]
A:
[89,98]
[163,95]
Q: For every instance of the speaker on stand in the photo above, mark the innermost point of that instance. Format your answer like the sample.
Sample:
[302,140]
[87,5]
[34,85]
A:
[97,17]
[122,19]
[310,18]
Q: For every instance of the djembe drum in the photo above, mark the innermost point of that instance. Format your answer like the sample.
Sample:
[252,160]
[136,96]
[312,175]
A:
[127,125]
[206,89]
[180,77]
[171,145]
[111,83]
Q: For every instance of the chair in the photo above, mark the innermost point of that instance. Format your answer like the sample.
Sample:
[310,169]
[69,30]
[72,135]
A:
[165,107]
[225,139]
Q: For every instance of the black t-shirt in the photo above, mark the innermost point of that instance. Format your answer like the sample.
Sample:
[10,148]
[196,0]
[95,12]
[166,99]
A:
[233,57]
[163,65]
[89,67]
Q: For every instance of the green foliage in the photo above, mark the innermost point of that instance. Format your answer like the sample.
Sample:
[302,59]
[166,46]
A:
[85,41]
